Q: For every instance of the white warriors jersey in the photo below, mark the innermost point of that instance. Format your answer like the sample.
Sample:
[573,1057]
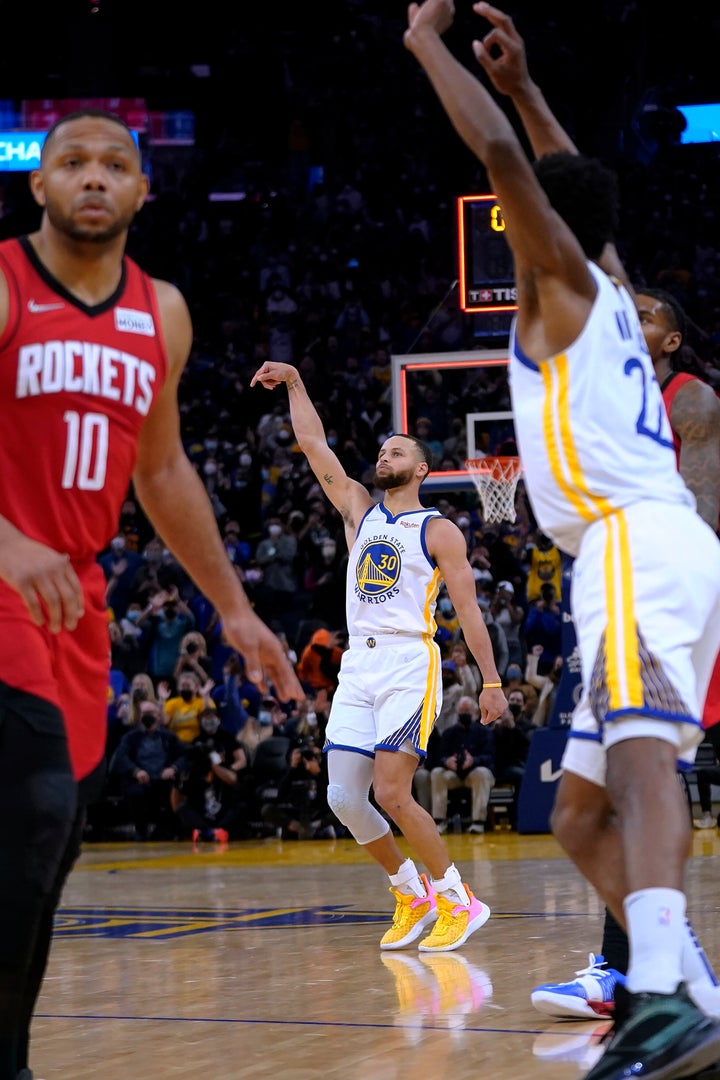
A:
[591,426]
[392,580]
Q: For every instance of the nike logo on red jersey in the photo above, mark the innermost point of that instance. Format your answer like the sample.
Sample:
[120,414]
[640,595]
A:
[36,308]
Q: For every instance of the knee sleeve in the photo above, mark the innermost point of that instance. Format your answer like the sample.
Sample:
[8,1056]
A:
[357,814]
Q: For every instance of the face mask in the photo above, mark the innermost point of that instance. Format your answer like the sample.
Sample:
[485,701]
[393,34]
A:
[147,720]
[274,531]
[465,718]
[133,616]
[118,544]
[462,523]
[515,708]
[210,725]
[245,460]
[332,441]
[209,468]
[445,605]
[264,717]
[211,444]
[187,695]
[311,719]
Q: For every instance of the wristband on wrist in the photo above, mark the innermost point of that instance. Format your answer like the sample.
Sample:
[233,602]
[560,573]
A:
[492,685]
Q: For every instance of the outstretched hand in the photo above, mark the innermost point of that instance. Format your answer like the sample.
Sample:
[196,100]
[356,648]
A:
[438,15]
[271,374]
[265,659]
[501,53]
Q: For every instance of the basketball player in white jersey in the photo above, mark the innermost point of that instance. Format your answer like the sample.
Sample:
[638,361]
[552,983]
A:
[694,414]
[389,688]
[597,448]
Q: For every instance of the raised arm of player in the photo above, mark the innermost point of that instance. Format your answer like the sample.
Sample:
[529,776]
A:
[502,56]
[176,502]
[548,258]
[348,496]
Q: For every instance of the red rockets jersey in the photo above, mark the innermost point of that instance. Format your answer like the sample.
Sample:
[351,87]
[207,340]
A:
[670,387]
[84,379]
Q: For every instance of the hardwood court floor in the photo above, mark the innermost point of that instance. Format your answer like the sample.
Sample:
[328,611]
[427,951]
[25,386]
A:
[261,960]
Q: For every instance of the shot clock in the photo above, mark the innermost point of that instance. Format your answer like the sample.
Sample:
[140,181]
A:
[486,275]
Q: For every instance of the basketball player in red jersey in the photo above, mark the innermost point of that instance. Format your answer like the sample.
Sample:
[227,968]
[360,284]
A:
[694,411]
[91,352]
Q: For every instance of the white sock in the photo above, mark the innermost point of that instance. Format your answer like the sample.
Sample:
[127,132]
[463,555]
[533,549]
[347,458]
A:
[451,886]
[657,932]
[407,879]
[695,964]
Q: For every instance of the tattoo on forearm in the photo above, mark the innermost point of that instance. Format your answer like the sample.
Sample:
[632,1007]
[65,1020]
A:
[292,384]
[328,478]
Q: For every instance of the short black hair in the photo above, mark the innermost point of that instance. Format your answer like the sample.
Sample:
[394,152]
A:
[80,114]
[585,193]
[426,453]
[671,308]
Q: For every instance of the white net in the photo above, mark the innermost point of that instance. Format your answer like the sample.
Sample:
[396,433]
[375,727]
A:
[496,479]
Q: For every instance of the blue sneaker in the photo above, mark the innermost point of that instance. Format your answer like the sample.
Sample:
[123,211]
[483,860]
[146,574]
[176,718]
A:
[591,994]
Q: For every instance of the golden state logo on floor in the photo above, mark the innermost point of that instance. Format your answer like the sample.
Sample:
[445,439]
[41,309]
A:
[378,570]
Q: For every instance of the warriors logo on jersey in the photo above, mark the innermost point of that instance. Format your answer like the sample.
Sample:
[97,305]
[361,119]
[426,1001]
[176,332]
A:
[393,581]
[378,570]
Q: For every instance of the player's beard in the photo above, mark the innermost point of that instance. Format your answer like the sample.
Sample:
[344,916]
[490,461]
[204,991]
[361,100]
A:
[389,480]
[66,225]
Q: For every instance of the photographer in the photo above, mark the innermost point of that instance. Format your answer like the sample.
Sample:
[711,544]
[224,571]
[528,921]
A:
[212,796]
[147,761]
[301,810]
[193,657]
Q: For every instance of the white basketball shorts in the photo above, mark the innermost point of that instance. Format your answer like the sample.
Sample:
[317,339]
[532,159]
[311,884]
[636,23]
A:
[389,693]
[645,601]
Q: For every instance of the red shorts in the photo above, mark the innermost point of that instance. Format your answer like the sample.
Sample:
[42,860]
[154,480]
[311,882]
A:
[69,669]
[711,712]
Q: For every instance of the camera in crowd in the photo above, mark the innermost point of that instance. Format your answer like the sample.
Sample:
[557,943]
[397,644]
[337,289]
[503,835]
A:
[307,750]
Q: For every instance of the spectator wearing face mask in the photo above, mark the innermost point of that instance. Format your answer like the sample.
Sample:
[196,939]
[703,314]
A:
[466,759]
[546,684]
[511,745]
[520,710]
[447,622]
[183,709]
[515,680]
[510,616]
[120,566]
[147,761]
[166,620]
[193,656]
[276,556]
[325,583]
[466,670]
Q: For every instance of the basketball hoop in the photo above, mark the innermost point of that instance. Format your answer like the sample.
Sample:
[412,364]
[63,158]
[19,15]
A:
[496,479]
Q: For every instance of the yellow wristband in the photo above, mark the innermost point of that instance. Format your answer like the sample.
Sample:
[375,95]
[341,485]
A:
[492,685]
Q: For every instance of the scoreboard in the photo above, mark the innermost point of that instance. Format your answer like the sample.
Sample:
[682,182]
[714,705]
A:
[486,273]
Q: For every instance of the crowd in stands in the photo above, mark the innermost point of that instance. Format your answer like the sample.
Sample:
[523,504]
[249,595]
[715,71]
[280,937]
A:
[334,248]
